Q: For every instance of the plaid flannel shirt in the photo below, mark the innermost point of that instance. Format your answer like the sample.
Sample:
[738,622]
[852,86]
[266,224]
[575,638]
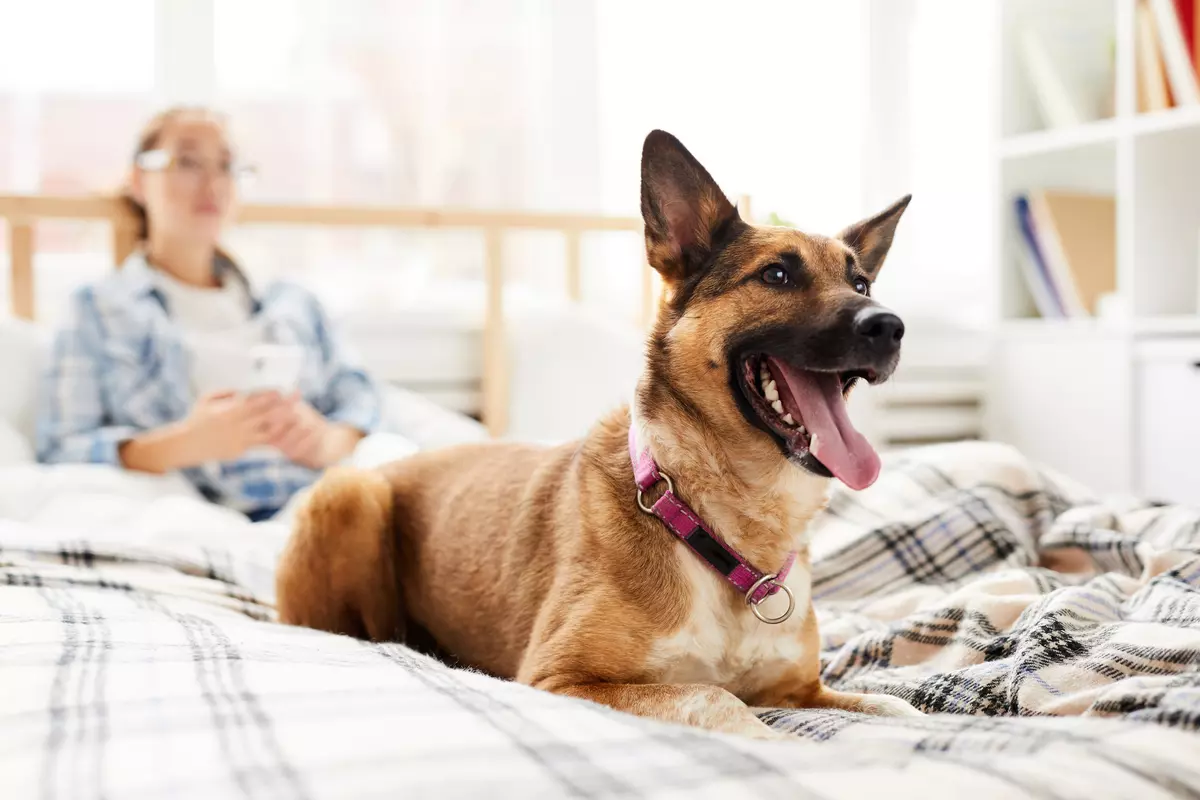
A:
[120,366]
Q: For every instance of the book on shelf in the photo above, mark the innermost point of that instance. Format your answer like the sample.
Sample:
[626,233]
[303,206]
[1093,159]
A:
[1154,92]
[1069,249]
[1177,46]
[1033,265]
[1190,17]
[1056,101]
[1185,10]
[1167,58]
[1066,62]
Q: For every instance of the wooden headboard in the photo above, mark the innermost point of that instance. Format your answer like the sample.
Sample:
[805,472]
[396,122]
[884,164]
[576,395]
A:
[21,213]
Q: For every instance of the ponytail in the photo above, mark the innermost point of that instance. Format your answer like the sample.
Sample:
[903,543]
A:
[138,211]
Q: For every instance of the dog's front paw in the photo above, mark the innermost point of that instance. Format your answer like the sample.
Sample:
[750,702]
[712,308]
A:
[886,705]
[766,733]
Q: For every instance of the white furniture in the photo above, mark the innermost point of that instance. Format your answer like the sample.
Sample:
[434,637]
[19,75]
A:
[1111,400]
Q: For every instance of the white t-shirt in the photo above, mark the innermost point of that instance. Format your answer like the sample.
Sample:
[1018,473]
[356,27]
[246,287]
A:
[202,308]
[213,320]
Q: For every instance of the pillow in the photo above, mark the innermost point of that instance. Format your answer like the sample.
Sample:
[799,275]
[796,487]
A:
[14,448]
[571,365]
[24,348]
[424,423]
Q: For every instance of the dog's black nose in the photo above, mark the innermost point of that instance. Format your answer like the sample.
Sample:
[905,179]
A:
[883,328]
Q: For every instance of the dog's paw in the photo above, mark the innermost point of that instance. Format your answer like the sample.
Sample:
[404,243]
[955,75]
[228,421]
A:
[765,733]
[886,705]
[751,727]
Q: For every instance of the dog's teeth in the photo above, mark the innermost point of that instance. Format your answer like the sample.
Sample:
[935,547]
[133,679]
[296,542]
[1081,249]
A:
[803,431]
[778,406]
[812,444]
[771,391]
[788,419]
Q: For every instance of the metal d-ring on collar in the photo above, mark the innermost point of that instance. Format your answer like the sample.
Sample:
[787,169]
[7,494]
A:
[641,495]
[750,601]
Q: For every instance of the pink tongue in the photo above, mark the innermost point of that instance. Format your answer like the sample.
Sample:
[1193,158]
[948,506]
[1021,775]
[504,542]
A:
[841,448]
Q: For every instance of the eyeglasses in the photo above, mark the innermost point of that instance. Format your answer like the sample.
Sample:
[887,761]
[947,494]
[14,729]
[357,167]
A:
[193,167]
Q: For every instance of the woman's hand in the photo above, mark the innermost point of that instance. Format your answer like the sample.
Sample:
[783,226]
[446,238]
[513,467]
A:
[224,425]
[221,427]
[311,440]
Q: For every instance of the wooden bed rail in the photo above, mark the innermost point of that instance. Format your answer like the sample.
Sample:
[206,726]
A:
[21,213]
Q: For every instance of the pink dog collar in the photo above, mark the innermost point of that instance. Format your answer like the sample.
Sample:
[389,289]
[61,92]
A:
[755,586]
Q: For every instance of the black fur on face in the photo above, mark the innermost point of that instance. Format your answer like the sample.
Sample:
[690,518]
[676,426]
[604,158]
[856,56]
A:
[808,347]
[827,344]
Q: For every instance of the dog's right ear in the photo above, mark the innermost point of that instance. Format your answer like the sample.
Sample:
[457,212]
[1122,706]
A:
[683,208]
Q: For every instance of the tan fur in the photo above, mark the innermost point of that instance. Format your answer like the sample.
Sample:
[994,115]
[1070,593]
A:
[338,573]
[535,563]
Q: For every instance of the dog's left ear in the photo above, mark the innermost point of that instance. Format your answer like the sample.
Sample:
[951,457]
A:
[684,210]
[872,238]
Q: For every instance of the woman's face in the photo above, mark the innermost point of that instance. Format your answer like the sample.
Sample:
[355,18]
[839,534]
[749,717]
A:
[189,191]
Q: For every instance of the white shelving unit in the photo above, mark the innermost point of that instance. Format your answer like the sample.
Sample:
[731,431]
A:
[1089,396]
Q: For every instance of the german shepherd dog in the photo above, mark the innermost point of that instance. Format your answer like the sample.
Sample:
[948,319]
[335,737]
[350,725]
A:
[541,564]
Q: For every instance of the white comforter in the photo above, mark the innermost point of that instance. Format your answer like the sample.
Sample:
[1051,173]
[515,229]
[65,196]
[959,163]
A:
[166,514]
[163,514]
[123,512]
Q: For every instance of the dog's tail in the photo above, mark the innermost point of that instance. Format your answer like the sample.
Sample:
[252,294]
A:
[338,571]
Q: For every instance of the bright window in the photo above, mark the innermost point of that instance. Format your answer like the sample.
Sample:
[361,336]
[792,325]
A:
[523,104]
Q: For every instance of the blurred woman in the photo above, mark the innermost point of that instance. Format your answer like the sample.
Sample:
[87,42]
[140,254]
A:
[136,374]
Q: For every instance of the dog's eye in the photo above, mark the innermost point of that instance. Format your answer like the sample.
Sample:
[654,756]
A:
[861,286]
[775,275]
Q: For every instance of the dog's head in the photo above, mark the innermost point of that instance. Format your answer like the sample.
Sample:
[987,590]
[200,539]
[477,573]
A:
[764,330]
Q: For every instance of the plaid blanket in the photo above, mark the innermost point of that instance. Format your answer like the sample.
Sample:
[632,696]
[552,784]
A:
[1052,636]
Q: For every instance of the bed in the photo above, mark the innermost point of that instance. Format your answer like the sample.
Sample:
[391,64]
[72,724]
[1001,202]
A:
[1052,635]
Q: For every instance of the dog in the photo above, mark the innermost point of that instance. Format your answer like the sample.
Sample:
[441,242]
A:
[660,565]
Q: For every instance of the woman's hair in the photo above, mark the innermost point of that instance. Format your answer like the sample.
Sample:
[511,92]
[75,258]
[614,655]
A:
[149,139]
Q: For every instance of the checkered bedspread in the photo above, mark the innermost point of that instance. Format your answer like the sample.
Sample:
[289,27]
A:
[1053,637]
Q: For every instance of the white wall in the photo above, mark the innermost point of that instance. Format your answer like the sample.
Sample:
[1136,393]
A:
[823,112]
[768,94]
[932,102]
